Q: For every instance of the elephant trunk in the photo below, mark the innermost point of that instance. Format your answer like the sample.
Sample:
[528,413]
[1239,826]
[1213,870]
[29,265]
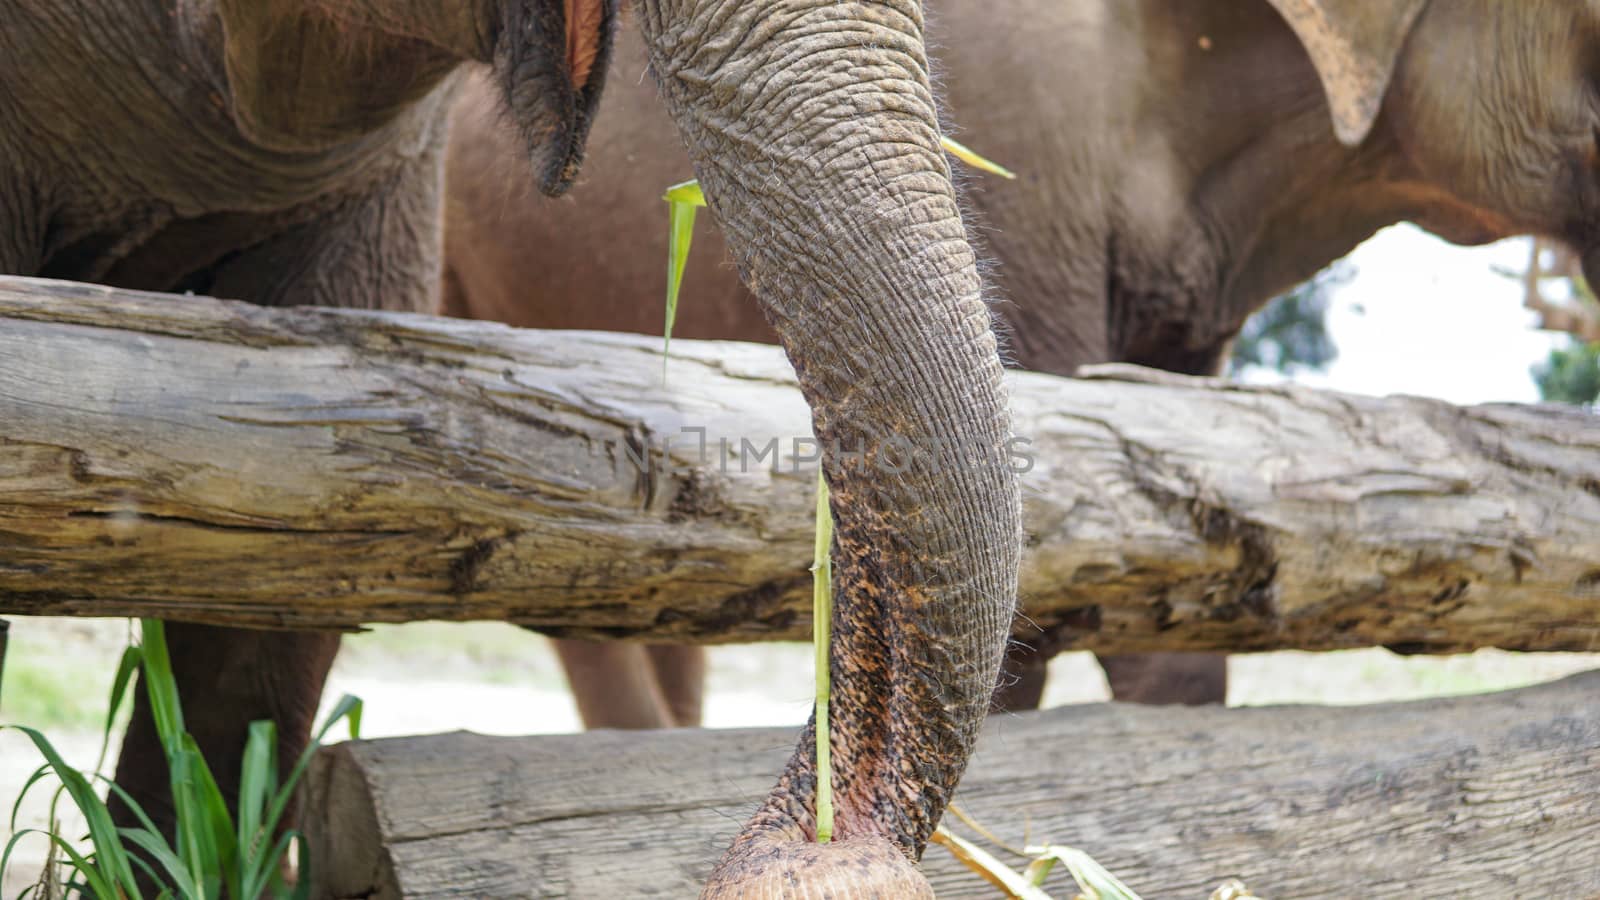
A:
[811,126]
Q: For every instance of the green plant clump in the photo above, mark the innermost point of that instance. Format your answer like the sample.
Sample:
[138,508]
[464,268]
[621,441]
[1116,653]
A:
[212,856]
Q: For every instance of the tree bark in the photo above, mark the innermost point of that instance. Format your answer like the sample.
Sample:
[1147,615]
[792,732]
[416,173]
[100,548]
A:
[1495,795]
[216,462]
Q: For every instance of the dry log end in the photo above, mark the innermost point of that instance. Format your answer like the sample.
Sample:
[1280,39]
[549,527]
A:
[348,837]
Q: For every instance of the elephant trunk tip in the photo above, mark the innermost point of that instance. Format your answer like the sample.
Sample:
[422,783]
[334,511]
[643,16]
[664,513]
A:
[858,867]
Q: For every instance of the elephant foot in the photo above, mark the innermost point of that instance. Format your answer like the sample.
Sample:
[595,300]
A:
[860,867]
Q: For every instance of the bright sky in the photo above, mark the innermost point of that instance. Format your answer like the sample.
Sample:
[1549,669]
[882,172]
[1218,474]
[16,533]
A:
[1424,317]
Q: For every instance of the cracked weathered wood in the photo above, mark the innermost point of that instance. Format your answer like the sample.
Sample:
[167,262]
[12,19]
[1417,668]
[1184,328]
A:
[1489,796]
[217,462]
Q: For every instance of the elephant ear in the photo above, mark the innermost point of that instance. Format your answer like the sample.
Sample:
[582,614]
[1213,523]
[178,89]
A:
[1354,45]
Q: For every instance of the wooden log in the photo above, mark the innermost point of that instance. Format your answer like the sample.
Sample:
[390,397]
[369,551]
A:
[216,462]
[1495,795]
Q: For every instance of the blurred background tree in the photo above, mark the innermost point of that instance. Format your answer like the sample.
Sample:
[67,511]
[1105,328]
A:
[1554,288]
[1571,374]
[1290,333]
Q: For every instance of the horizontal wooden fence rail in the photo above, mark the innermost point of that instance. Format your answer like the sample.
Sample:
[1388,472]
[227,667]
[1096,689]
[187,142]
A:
[1489,796]
[216,462]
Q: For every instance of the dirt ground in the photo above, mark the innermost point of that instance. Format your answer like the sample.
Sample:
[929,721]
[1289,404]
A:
[497,679]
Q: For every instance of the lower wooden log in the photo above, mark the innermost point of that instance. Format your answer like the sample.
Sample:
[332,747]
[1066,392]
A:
[1494,795]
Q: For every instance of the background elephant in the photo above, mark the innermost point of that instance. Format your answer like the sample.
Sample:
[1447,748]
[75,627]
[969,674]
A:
[1179,163]
[290,151]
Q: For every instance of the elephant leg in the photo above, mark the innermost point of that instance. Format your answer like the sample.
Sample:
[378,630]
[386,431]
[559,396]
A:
[226,678]
[680,672]
[1189,679]
[613,684]
[1022,678]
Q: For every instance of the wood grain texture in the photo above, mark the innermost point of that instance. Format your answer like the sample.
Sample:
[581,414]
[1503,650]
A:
[216,462]
[1495,795]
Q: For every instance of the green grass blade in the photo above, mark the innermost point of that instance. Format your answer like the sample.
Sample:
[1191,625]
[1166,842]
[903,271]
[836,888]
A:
[179,877]
[257,783]
[190,837]
[35,778]
[162,688]
[821,638]
[263,876]
[132,804]
[155,878]
[16,838]
[132,658]
[212,824]
[204,829]
[109,853]
[102,883]
[348,708]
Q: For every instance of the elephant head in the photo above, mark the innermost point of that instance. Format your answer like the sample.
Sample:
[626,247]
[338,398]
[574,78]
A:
[811,125]
[1492,109]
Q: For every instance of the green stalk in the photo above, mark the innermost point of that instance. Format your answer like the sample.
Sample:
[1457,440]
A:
[821,631]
